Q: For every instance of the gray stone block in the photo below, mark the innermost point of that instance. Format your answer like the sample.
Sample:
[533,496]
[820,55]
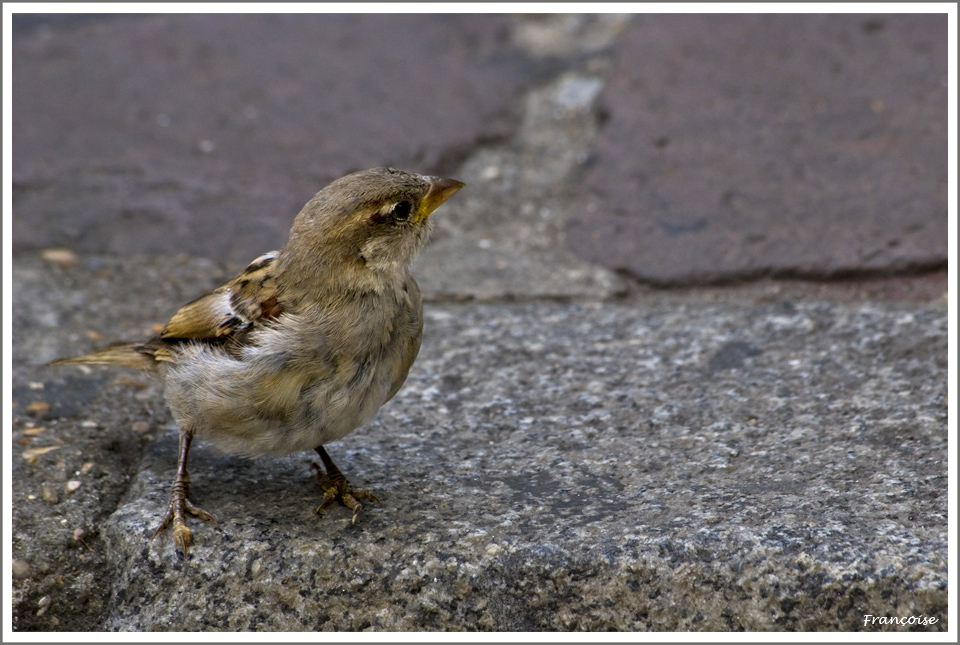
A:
[644,466]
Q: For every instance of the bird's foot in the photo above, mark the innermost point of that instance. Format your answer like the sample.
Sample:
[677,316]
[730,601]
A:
[176,511]
[336,487]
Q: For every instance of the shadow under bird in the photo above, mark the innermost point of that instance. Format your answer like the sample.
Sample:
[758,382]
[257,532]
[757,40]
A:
[306,343]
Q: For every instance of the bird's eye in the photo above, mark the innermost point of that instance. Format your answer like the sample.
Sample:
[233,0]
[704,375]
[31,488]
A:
[401,210]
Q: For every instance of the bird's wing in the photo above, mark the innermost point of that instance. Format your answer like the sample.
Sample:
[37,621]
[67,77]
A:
[223,316]
[232,309]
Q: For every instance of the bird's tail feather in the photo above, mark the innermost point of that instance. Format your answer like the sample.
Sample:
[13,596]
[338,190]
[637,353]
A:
[124,354]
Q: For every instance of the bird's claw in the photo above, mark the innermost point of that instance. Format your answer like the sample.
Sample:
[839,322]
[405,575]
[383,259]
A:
[335,486]
[176,511]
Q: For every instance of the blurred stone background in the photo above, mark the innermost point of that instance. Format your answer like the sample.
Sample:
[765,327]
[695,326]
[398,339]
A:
[730,147]
[755,173]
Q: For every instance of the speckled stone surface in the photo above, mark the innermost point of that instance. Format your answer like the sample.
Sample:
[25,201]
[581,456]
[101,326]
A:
[643,466]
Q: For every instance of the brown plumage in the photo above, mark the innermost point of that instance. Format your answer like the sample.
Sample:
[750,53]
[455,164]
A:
[306,343]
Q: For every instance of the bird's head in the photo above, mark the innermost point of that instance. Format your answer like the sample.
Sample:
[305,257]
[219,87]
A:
[378,219]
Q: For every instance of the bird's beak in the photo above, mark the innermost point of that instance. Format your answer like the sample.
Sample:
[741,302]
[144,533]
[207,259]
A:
[440,191]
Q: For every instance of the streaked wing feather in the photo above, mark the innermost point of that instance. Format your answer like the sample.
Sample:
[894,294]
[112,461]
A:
[206,317]
[231,309]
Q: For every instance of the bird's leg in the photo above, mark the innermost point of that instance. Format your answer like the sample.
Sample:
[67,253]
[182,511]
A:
[179,504]
[335,485]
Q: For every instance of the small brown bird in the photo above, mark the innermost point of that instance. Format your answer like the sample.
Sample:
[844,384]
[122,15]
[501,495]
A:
[306,343]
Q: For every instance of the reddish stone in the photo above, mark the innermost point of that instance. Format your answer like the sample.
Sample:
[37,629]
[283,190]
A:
[785,145]
[207,133]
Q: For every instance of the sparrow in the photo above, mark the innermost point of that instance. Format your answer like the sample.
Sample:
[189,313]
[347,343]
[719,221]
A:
[306,343]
